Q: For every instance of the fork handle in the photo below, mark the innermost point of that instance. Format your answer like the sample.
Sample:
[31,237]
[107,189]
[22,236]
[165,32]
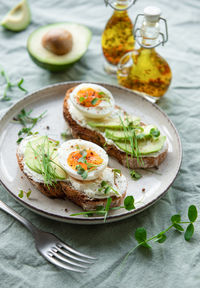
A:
[21,219]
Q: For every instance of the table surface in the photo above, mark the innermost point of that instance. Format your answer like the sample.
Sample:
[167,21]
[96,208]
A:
[174,263]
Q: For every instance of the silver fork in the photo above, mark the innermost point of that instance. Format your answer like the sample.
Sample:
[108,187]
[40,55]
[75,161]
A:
[52,248]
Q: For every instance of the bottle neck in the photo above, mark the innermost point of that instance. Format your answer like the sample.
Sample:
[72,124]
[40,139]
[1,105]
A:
[121,5]
[150,33]
[120,13]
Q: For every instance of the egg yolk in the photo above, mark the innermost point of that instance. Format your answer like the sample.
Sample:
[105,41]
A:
[87,161]
[89,97]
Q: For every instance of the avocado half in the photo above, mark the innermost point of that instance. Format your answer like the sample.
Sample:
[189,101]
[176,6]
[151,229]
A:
[18,18]
[42,57]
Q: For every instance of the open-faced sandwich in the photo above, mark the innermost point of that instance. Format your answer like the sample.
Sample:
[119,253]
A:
[91,113]
[77,169]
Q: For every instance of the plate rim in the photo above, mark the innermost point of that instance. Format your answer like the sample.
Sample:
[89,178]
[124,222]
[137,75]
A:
[93,220]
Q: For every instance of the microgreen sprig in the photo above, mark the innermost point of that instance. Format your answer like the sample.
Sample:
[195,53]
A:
[81,171]
[9,85]
[94,101]
[24,118]
[104,211]
[155,133]
[176,223]
[45,160]
[106,188]
[22,192]
[135,175]
[129,132]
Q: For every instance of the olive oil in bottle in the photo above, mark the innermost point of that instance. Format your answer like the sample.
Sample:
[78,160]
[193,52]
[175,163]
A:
[117,37]
[144,69]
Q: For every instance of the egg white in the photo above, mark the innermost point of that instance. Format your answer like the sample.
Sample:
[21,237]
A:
[70,146]
[100,111]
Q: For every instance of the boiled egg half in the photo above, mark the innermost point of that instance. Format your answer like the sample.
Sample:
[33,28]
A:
[93,101]
[82,160]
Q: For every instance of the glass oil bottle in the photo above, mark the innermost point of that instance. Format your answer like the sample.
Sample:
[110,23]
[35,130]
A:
[144,69]
[117,37]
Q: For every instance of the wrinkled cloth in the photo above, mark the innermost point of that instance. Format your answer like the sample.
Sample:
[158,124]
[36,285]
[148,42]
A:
[175,263]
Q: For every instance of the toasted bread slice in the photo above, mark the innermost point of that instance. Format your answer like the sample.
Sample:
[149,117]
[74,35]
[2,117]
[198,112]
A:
[85,133]
[65,189]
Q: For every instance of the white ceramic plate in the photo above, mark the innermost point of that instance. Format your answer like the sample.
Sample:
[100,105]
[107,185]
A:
[156,183]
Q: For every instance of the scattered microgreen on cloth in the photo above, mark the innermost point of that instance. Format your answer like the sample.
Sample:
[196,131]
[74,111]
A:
[9,85]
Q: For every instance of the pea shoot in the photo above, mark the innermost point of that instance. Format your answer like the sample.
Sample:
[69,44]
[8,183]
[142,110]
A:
[176,223]
[104,211]
[135,175]
[27,122]
[22,192]
[9,85]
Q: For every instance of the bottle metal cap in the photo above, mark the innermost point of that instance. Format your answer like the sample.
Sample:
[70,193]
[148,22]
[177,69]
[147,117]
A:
[152,14]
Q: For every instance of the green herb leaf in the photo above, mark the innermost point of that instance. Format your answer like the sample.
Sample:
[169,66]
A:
[161,238]
[19,84]
[140,234]
[107,190]
[178,227]
[192,213]
[176,218]
[107,187]
[21,194]
[104,183]
[81,99]
[81,171]
[19,140]
[101,93]
[189,232]
[28,193]
[94,101]
[141,237]
[155,132]
[9,85]
[135,175]
[129,203]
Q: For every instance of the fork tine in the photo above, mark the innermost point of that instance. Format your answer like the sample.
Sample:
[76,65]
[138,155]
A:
[69,248]
[64,259]
[64,252]
[60,264]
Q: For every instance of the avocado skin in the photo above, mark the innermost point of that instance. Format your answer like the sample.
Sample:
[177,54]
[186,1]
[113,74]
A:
[51,67]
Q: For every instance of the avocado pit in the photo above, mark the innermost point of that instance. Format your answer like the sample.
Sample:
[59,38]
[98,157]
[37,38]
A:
[58,41]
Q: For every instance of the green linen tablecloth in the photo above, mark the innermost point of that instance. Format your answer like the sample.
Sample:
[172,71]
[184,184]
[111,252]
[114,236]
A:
[176,263]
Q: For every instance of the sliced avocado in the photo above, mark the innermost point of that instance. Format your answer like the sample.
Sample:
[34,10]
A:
[145,147]
[34,147]
[18,18]
[81,37]
[114,123]
[118,135]
[122,135]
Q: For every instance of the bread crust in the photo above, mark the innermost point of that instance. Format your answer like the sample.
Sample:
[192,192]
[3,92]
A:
[91,135]
[65,190]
